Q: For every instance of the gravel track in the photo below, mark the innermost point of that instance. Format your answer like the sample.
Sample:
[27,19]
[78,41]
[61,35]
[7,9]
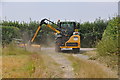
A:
[63,61]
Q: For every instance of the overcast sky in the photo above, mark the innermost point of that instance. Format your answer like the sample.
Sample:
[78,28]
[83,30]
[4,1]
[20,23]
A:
[79,11]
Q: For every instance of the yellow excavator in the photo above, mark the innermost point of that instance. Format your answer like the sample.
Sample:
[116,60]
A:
[66,35]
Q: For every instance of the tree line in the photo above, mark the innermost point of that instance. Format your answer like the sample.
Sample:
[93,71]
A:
[90,32]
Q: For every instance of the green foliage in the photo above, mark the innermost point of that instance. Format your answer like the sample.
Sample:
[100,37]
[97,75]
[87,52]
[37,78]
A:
[107,47]
[27,31]
[111,31]
[109,43]
[0,36]
[8,33]
[92,32]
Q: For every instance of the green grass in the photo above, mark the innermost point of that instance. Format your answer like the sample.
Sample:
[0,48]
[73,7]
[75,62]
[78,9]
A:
[30,66]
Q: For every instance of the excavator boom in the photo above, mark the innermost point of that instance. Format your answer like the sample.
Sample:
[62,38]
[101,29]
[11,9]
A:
[36,33]
[53,28]
[39,27]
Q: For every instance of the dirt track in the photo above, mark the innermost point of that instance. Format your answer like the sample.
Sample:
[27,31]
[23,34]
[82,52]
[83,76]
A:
[50,51]
[62,60]
[68,69]
[65,63]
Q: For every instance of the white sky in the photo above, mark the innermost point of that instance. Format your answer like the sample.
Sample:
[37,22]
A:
[59,0]
[79,11]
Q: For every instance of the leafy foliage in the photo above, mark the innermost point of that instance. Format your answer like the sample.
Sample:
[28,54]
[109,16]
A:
[92,32]
[109,43]
[8,33]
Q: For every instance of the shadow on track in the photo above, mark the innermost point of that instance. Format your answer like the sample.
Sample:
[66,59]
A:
[71,52]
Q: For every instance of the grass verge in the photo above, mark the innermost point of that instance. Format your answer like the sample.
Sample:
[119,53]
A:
[18,63]
[110,61]
[88,69]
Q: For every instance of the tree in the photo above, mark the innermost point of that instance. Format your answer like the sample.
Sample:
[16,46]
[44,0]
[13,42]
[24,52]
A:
[8,33]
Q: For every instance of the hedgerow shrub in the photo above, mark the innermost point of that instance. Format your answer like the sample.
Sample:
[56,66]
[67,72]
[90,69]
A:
[109,43]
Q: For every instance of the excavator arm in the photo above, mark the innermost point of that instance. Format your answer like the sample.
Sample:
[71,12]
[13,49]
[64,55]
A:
[35,33]
[48,25]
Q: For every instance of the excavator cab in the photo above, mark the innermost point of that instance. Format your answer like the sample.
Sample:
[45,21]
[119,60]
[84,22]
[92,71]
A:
[69,36]
[68,27]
